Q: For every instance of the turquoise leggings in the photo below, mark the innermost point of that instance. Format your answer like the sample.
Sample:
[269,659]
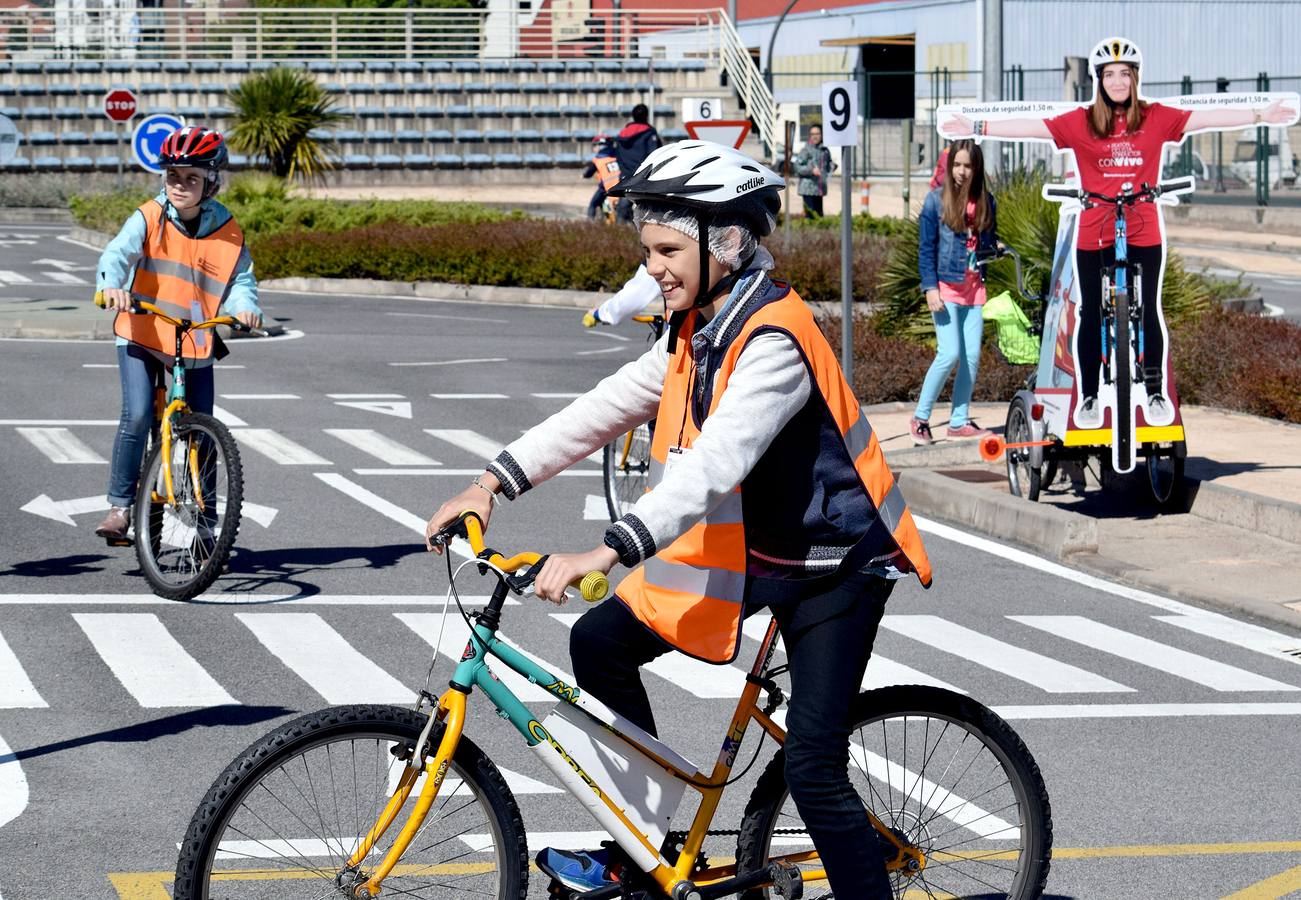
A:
[957,334]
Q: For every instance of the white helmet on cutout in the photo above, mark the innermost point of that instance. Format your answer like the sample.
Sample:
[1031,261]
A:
[1114,50]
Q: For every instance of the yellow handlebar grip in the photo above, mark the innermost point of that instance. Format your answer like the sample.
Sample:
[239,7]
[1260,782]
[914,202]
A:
[594,586]
[99,300]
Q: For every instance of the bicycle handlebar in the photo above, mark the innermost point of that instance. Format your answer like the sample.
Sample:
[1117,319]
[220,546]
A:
[593,586]
[144,307]
[1146,194]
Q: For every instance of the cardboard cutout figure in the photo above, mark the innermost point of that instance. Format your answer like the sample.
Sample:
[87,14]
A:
[1116,139]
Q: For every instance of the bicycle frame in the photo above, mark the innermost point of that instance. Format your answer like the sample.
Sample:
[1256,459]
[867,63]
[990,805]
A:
[473,672]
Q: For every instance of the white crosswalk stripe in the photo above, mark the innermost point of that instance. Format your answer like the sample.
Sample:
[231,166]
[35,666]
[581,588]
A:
[381,447]
[61,446]
[1204,671]
[16,689]
[481,447]
[64,278]
[1033,668]
[325,659]
[277,448]
[149,662]
[1241,634]
[10,277]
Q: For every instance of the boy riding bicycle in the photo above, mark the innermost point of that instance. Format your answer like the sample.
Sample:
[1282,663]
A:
[768,488]
[183,252]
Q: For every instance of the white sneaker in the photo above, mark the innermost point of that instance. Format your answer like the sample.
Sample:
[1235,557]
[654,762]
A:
[1089,415]
[1159,411]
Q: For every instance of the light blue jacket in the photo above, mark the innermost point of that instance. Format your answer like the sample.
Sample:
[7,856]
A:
[118,262]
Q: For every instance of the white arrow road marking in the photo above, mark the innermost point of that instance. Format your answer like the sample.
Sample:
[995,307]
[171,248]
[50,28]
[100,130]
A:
[13,785]
[594,508]
[16,689]
[387,509]
[60,445]
[63,265]
[398,408]
[64,510]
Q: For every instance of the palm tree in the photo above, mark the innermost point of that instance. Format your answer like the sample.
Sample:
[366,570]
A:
[276,114]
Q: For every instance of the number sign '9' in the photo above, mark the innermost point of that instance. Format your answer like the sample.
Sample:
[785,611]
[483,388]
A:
[839,113]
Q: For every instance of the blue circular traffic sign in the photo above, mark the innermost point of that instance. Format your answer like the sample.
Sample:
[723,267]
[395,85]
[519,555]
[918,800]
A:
[149,136]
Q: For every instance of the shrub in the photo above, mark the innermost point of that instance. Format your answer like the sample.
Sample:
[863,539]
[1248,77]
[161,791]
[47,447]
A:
[1241,362]
[810,261]
[107,211]
[862,223]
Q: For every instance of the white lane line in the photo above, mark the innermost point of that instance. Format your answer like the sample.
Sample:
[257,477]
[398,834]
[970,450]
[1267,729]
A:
[451,362]
[609,335]
[279,600]
[151,664]
[383,448]
[277,448]
[559,840]
[227,418]
[1199,669]
[1033,668]
[706,681]
[366,396]
[57,421]
[16,689]
[10,277]
[568,473]
[61,446]
[619,349]
[595,508]
[470,441]
[411,315]
[64,278]
[469,396]
[260,397]
[325,659]
[1146,710]
[387,509]
[226,366]
[555,396]
[881,672]
[455,638]
[99,365]
[1273,644]
[13,786]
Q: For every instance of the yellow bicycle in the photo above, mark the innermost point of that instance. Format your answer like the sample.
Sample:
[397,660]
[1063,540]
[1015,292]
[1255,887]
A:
[313,808]
[187,509]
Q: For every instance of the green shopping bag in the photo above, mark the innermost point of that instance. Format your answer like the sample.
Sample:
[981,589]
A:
[1015,341]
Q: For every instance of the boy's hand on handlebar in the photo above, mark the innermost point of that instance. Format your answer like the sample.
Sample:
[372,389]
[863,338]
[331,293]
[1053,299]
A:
[473,498]
[563,569]
[116,299]
[933,301]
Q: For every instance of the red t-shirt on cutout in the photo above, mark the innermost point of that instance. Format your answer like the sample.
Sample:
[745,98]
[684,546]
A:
[1104,164]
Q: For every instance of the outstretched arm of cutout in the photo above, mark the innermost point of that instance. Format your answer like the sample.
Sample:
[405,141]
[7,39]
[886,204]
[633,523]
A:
[960,126]
[1277,114]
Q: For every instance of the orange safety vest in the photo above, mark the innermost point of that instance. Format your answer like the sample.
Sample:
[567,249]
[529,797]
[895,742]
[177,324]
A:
[607,169]
[185,277]
[806,497]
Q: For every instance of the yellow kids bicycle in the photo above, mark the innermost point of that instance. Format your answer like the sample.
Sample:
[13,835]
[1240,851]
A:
[313,808]
[187,508]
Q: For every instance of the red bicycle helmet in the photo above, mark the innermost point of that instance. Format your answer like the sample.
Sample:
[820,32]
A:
[194,146]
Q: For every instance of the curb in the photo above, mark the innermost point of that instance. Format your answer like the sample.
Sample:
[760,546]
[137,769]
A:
[437,290]
[35,215]
[1054,532]
[1255,512]
[97,239]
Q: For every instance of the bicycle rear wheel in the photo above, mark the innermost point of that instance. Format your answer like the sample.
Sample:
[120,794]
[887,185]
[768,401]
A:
[1023,479]
[182,547]
[1122,429]
[946,775]
[626,462]
[286,815]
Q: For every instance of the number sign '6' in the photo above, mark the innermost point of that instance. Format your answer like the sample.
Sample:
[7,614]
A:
[840,113]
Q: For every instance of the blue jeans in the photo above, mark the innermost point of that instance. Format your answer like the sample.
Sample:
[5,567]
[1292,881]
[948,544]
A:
[138,369]
[958,331]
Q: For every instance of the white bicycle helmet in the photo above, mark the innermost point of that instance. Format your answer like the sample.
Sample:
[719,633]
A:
[1114,50]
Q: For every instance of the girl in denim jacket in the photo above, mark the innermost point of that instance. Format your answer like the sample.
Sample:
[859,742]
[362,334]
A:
[957,221]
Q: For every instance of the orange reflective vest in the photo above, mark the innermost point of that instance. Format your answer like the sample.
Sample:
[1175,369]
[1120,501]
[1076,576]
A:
[607,169]
[185,277]
[811,498]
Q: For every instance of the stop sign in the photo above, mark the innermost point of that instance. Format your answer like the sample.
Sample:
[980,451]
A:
[120,104]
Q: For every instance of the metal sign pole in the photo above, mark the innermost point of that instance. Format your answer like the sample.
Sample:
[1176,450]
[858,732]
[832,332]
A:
[786,175]
[846,265]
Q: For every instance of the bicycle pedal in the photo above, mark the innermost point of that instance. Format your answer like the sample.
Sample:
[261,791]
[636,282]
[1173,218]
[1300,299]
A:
[119,542]
[788,881]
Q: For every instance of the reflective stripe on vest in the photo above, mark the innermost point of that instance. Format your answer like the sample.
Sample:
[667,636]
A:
[185,277]
[691,592]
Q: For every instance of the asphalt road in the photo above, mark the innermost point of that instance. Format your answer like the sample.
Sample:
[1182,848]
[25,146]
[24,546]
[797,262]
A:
[1178,780]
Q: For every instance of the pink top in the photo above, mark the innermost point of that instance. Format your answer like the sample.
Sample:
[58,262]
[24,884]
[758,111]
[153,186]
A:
[970,291]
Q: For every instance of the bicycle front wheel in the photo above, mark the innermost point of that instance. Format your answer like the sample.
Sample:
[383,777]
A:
[948,777]
[626,462]
[286,816]
[183,546]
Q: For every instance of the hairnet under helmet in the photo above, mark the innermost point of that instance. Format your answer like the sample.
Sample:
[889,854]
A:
[731,240]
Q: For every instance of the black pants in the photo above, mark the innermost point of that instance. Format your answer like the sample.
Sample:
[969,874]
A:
[828,626]
[594,205]
[812,205]
[1089,265]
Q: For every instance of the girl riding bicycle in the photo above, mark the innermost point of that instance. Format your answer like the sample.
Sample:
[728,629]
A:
[182,251]
[1116,139]
[768,489]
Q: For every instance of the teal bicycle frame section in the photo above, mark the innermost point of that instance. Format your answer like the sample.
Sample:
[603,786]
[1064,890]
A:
[473,671]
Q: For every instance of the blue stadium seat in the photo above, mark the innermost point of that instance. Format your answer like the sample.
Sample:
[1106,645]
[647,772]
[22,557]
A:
[47,163]
[334,87]
[409,136]
[527,135]
[11,112]
[42,138]
[692,65]
[417,161]
[57,67]
[350,65]
[430,112]
[176,65]
[358,87]
[153,87]
[379,65]
[146,65]
[379,136]
[592,87]
[390,87]
[550,65]
[495,65]
[485,111]
[420,87]
[469,136]
[105,137]
[388,161]
[448,160]
[620,87]
[6,65]
[568,158]
[507,160]
[31,90]
[19,163]
[555,135]
[517,111]
[237,66]
[534,87]
[437,65]
[523,65]
[664,110]
[220,112]
[238,161]
[458,111]
[9,90]
[602,110]
[62,90]
[408,65]
[348,136]
[191,112]
[106,163]
[356,160]
[116,65]
[585,135]
[674,134]
[369,112]
[579,65]
[476,87]
[74,138]
[609,65]
[401,112]
[214,87]
[573,110]
[504,87]
[27,67]
[87,65]
[69,112]
[648,87]
[482,160]
[324,66]
[79,163]
[562,87]
[639,64]
[206,66]
[667,65]
[465,65]
[498,136]
[537,160]
[447,87]
[87,90]
[184,87]
[37,112]
[439,136]
[546,110]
